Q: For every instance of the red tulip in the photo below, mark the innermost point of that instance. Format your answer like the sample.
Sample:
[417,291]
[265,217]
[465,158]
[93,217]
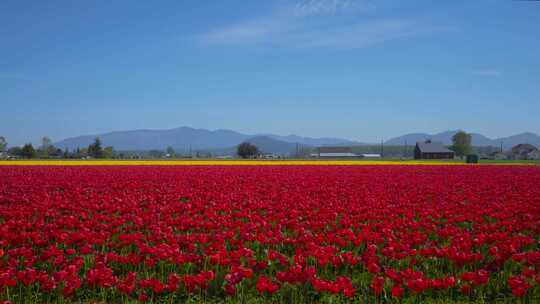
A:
[76,231]
[398,291]
[266,285]
[377,285]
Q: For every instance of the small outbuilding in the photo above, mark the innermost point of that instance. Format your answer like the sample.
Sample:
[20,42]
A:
[498,155]
[432,150]
[268,156]
[371,155]
[336,152]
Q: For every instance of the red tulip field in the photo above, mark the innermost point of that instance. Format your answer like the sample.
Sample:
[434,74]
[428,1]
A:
[275,234]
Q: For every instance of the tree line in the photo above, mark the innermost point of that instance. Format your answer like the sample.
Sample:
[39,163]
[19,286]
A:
[48,150]
[461,145]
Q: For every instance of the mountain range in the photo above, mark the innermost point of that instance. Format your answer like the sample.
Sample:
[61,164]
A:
[187,138]
[222,141]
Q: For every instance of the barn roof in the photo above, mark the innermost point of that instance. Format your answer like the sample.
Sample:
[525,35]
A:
[432,147]
[371,155]
[337,154]
[524,147]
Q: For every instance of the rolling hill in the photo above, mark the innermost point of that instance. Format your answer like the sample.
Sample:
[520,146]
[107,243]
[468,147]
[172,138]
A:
[185,138]
[178,138]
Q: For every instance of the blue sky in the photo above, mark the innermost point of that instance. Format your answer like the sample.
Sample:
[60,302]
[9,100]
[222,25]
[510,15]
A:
[358,69]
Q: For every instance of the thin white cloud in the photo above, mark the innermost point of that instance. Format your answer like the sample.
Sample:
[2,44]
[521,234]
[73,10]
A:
[330,7]
[488,72]
[318,23]
[363,34]
[247,32]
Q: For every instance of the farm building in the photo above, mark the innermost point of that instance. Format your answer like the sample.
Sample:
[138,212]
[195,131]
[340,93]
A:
[432,150]
[268,156]
[335,152]
[497,155]
[371,155]
[524,151]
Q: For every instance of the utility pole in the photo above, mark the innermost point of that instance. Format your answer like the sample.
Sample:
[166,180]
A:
[501,146]
[405,150]
[382,148]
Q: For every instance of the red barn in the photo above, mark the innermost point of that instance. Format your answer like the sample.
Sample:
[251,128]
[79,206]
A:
[432,150]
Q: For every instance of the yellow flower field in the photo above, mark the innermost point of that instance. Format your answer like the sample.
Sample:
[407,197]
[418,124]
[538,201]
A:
[224,163]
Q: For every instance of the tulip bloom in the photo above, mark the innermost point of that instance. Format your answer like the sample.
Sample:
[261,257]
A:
[251,233]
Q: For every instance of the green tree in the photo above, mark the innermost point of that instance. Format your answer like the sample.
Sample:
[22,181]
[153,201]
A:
[3,144]
[461,143]
[95,150]
[247,150]
[28,151]
[47,148]
[46,142]
[170,151]
[108,152]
